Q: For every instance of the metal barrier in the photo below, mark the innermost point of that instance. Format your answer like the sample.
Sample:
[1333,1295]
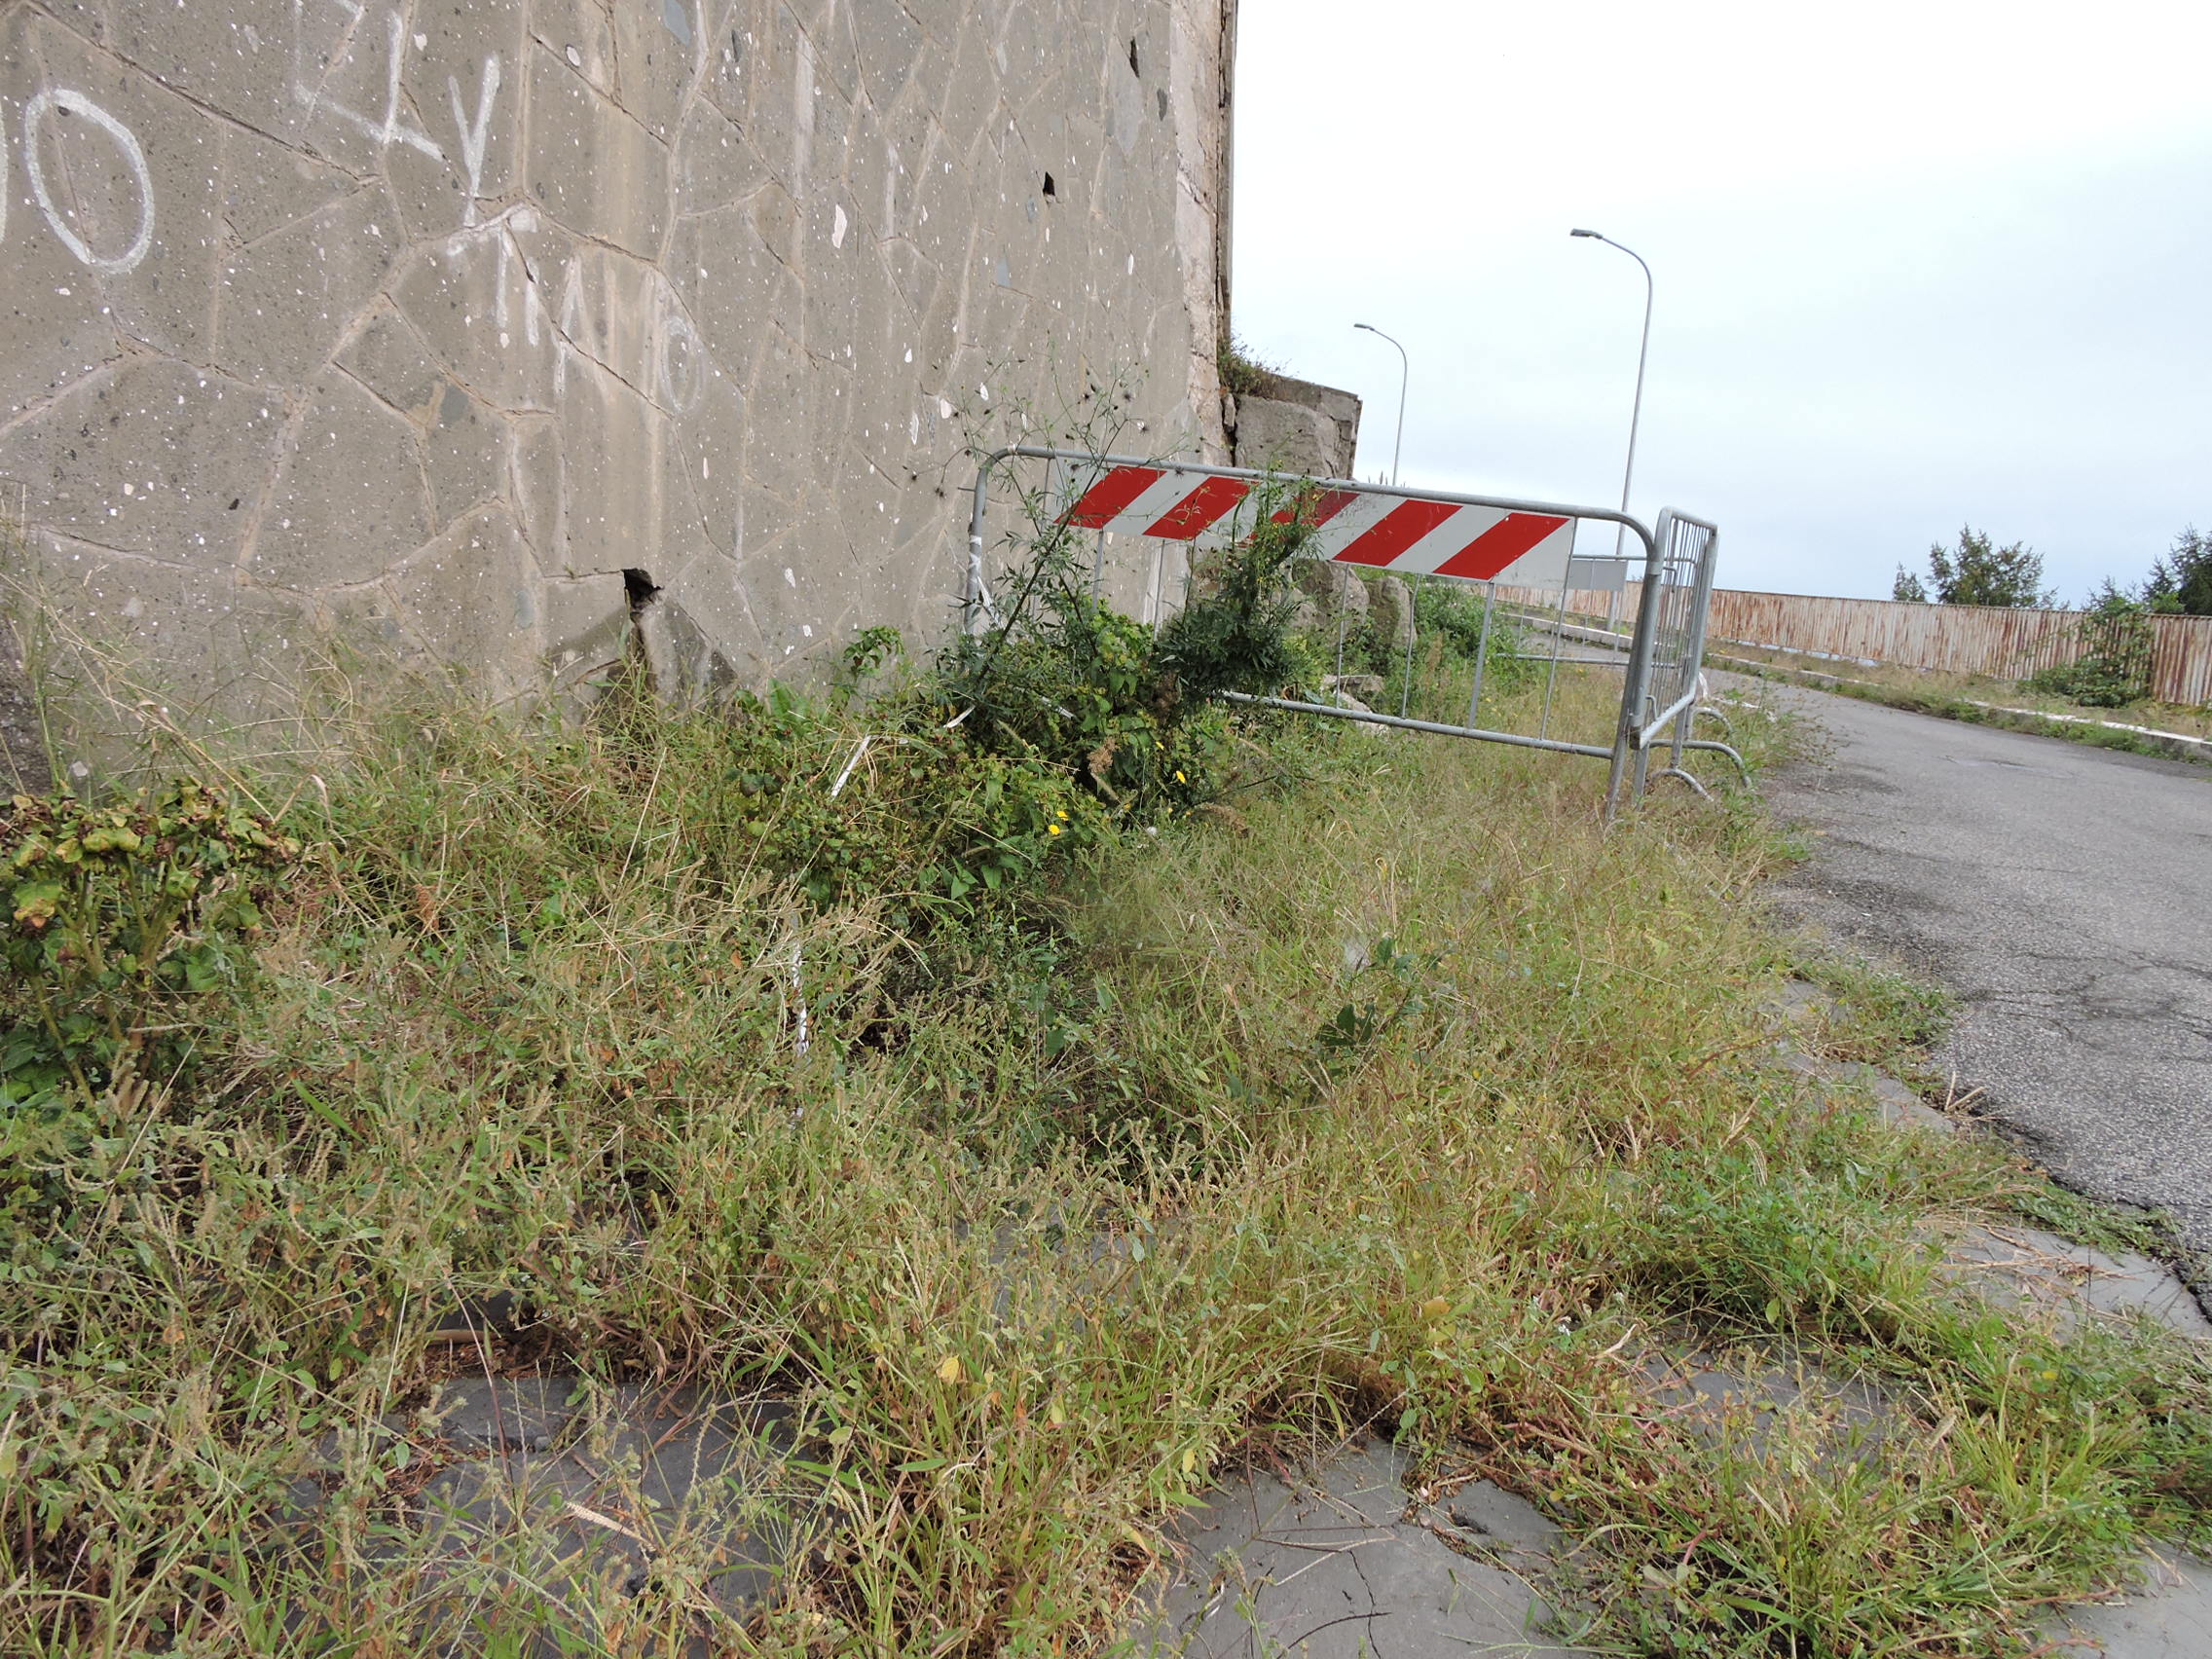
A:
[1354,524]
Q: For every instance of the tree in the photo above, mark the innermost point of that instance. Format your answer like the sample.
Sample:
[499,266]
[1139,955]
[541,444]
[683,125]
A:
[1907,589]
[2182,581]
[1979,573]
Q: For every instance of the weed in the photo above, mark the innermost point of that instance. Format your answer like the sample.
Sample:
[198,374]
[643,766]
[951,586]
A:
[1037,1200]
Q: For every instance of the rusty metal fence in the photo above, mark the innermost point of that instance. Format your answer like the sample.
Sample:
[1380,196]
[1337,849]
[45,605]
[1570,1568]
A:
[1994,642]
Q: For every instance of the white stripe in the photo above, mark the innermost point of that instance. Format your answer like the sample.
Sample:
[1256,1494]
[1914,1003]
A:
[1353,521]
[1545,564]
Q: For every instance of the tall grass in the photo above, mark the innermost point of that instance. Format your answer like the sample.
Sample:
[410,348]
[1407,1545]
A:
[1387,1088]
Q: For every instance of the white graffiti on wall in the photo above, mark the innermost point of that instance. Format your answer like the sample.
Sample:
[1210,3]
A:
[471,132]
[72,102]
[665,360]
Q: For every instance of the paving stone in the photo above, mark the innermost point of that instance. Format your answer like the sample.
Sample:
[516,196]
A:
[1755,1405]
[2026,1269]
[1347,1562]
[2168,1616]
[508,1414]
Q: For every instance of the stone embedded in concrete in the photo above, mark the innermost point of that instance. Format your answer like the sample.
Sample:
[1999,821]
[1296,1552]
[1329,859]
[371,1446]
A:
[609,445]
[258,61]
[265,186]
[886,39]
[148,457]
[582,35]
[583,626]
[656,42]
[724,270]
[590,165]
[349,501]
[283,303]
[461,73]
[537,487]
[126,166]
[2028,1271]
[714,166]
[487,302]
[1350,1564]
[464,454]
[388,357]
[470,596]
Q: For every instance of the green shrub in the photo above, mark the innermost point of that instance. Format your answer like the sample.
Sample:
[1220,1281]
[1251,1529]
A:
[2113,668]
[117,914]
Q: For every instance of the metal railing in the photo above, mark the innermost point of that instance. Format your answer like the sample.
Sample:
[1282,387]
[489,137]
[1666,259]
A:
[1665,650]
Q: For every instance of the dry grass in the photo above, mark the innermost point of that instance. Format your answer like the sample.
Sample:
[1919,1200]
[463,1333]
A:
[1398,1093]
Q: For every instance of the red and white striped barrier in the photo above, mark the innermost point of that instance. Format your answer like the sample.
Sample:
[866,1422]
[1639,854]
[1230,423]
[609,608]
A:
[1352,525]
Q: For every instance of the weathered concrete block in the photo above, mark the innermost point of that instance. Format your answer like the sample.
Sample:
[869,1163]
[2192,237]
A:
[472,598]
[350,501]
[150,457]
[1284,437]
[590,164]
[1315,424]
[464,453]
[285,302]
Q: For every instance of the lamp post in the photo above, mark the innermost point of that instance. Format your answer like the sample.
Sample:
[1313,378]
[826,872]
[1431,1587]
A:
[1636,409]
[1405,373]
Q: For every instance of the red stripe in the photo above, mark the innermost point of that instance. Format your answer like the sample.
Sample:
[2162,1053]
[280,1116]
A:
[1499,545]
[1111,494]
[1397,529]
[1317,507]
[1189,517]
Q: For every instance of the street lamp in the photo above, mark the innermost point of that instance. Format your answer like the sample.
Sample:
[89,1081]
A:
[1636,412]
[1405,373]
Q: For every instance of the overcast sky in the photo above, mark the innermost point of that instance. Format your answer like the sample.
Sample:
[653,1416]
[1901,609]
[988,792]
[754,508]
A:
[1917,265]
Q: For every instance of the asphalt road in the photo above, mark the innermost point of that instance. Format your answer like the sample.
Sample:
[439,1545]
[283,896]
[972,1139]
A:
[2064,894]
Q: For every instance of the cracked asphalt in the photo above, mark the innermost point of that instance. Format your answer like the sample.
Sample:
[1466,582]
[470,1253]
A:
[2064,894]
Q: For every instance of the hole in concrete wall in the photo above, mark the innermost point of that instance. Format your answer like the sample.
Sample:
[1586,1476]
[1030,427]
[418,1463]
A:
[1162,94]
[1133,69]
[1048,184]
[641,589]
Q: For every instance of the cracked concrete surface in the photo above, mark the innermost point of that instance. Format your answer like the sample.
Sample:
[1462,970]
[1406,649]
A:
[2060,892]
[1346,1562]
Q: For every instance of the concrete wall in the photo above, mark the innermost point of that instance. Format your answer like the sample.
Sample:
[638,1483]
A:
[424,322]
[1297,425]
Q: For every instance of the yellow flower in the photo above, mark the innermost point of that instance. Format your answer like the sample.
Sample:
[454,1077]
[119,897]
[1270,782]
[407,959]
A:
[1179,778]
[949,1370]
[1052,829]
[1061,812]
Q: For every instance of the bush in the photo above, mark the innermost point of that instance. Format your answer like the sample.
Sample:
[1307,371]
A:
[118,913]
[2113,668]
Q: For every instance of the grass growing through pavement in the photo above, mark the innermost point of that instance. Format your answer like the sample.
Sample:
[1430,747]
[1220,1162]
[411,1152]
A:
[1384,1087]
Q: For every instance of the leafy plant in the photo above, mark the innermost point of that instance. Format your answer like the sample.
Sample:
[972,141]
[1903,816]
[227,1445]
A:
[116,913]
[2114,666]
[1978,573]
[2182,581]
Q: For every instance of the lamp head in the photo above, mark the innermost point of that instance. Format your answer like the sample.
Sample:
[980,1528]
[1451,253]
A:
[1369,326]
[1586,234]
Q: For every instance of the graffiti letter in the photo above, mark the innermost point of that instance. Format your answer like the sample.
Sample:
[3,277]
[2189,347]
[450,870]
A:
[474,133]
[75,104]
